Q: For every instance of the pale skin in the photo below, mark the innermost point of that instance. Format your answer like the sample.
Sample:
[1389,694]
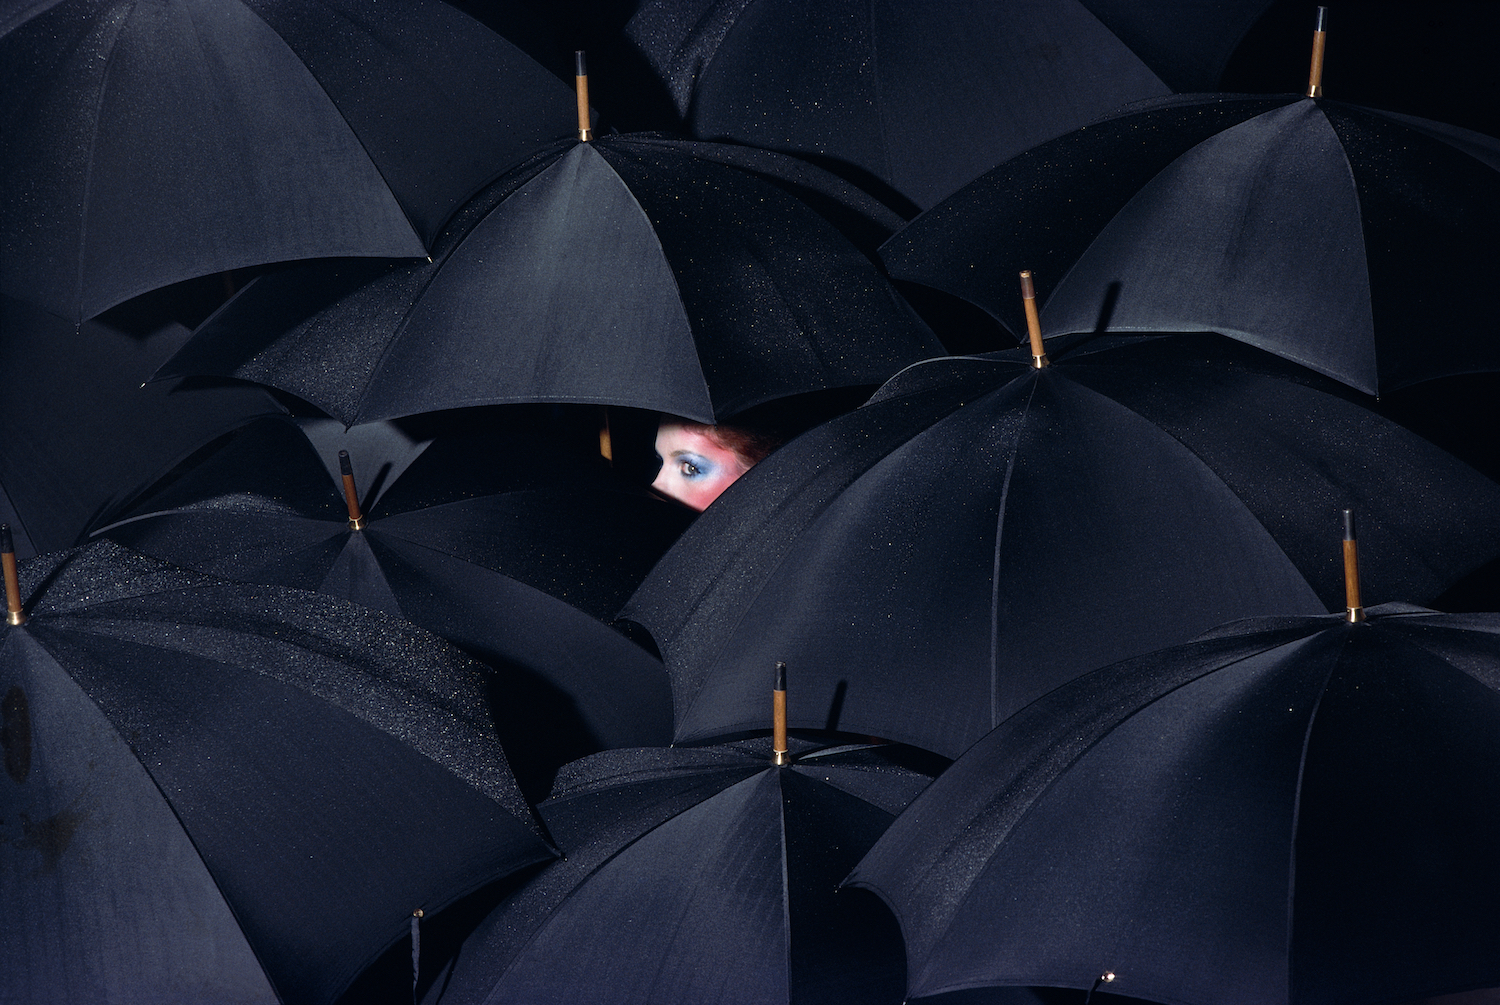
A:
[694,468]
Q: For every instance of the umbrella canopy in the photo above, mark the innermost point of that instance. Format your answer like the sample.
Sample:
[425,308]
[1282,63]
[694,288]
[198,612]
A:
[81,433]
[1340,237]
[700,874]
[628,271]
[149,142]
[925,97]
[1287,811]
[222,792]
[982,531]
[478,540]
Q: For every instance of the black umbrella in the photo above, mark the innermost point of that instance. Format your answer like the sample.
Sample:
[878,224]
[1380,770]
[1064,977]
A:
[982,531]
[480,539]
[924,97]
[630,270]
[1288,811]
[147,143]
[699,875]
[221,792]
[1341,237]
[80,433]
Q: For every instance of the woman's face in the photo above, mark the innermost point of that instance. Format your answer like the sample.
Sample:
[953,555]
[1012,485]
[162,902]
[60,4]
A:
[694,469]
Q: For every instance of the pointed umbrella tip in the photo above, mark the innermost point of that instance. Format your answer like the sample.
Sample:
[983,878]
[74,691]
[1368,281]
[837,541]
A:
[14,614]
[780,752]
[1315,72]
[1353,611]
[581,81]
[1033,320]
[351,494]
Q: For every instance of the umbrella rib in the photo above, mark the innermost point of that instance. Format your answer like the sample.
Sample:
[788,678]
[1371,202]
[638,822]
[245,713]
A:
[88,170]
[995,582]
[1291,870]
[405,214]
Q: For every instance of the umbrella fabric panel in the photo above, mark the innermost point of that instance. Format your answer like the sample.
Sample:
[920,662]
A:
[974,242]
[575,227]
[1371,794]
[1332,235]
[1220,875]
[310,767]
[684,868]
[609,687]
[1282,812]
[891,92]
[107,898]
[1186,44]
[780,301]
[1036,502]
[1425,517]
[714,899]
[80,437]
[412,78]
[1227,221]
[305,695]
[627,270]
[157,118]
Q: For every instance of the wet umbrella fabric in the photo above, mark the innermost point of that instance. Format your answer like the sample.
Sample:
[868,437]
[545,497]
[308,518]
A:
[922,98]
[217,791]
[1298,811]
[981,532]
[1340,237]
[81,437]
[147,143]
[478,540]
[626,271]
[699,874]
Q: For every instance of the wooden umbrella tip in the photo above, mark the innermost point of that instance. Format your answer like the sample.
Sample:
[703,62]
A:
[581,82]
[14,614]
[780,750]
[345,466]
[1315,71]
[1354,611]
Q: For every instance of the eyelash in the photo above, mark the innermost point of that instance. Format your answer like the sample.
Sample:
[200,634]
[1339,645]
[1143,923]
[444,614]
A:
[693,467]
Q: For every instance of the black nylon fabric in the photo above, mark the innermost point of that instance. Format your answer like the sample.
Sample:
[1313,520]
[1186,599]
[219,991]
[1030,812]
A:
[333,769]
[478,540]
[1289,814]
[919,99]
[150,142]
[1340,237]
[699,874]
[981,532]
[634,271]
[61,466]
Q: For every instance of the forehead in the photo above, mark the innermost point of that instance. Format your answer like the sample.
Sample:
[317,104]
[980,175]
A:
[673,438]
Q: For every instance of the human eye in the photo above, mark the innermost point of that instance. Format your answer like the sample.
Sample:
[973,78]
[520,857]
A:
[693,467]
